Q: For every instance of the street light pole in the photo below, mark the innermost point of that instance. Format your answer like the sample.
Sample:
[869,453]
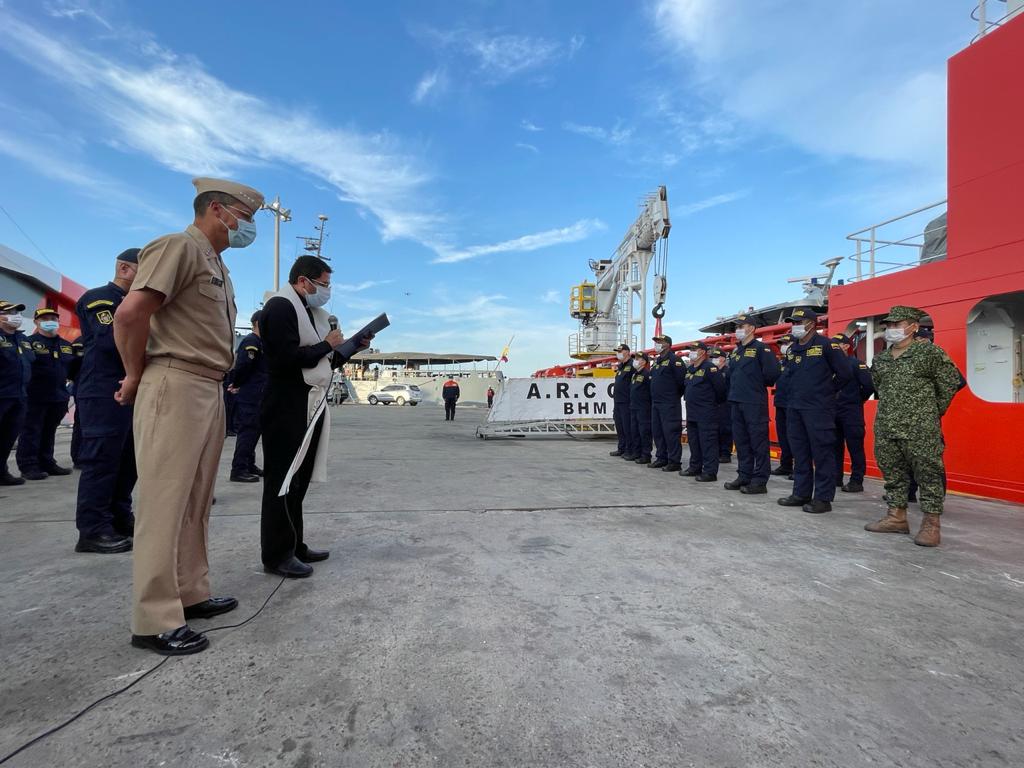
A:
[280,214]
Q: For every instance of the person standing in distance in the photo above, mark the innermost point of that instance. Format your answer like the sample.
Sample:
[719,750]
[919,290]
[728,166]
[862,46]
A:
[47,398]
[779,401]
[248,383]
[752,369]
[705,390]
[450,394]
[816,371]
[717,356]
[103,513]
[490,396]
[915,384]
[640,407]
[16,358]
[668,380]
[850,418]
[175,332]
[620,406]
[300,349]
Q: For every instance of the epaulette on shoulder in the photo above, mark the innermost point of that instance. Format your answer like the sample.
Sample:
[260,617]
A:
[254,349]
[714,369]
[99,303]
[679,362]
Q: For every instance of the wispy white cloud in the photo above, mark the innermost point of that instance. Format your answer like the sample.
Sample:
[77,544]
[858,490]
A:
[357,287]
[575,44]
[501,57]
[526,125]
[73,11]
[579,231]
[552,297]
[615,136]
[527,147]
[431,85]
[853,88]
[688,209]
[189,121]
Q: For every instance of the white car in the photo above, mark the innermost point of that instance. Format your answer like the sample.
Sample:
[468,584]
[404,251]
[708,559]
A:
[399,394]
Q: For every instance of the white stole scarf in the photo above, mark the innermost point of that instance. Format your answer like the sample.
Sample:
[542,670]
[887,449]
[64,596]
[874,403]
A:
[319,380]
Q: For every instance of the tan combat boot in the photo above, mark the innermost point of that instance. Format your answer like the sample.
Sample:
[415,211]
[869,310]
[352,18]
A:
[895,521]
[929,535]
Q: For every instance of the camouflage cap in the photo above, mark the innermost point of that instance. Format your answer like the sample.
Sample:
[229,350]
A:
[901,312]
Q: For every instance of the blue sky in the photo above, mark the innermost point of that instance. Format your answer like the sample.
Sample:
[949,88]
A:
[472,156]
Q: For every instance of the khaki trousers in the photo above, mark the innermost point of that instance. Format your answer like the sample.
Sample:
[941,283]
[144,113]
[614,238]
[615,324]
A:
[179,434]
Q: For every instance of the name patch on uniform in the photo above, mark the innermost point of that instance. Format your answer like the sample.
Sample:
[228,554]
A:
[638,378]
[38,346]
[105,316]
[699,373]
[66,350]
[750,353]
[217,281]
[815,352]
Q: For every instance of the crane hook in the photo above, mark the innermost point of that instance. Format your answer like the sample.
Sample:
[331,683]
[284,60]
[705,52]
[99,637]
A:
[659,311]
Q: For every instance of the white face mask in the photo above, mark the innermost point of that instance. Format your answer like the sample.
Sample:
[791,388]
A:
[693,356]
[662,347]
[620,356]
[14,321]
[799,331]
[895,335]
[784,349]
[741,334]
[321,297]
[50,326]
[720,362]
[638,363]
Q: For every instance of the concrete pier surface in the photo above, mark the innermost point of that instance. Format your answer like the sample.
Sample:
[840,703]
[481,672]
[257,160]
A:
[528,603]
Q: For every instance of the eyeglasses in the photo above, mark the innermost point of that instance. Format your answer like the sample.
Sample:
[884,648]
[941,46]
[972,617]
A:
[317,282]
[240,214]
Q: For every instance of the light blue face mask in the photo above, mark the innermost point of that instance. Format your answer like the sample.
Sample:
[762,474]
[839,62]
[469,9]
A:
[242,237]
[50,326]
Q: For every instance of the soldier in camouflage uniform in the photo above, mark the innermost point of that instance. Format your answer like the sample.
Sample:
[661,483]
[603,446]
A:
[915,385]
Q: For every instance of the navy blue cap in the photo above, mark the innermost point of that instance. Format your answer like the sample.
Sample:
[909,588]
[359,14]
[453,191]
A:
[801,315]
[925,333]
[841,338]
[131,255]
[747,320]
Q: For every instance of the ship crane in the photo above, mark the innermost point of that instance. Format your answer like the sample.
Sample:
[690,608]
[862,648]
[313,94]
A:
[613,307]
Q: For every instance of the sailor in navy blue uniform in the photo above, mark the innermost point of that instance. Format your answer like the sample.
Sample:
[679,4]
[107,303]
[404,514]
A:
[780,399]
[752,369]
[107,455]
[819,371]
[16,360]
[620,411]
[640,407]
[705,390]
[668,380]
[850,418]
[47,398]
[248,383]
[718,357]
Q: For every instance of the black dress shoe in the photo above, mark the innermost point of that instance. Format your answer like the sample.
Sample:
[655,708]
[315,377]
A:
[244,477]
[8,479]
[34,474]
[854,487]
[793,501]
[736,485]
[817,507]
[657,464]
[629,456]
[644,460]
[104,544]
[292,568]
[780,470]
[207,609]
[673,467]
[56,469]
[705,478]
[179,642]
[312,555]
[615,453]
[689,472]
[256,471]
[751,488]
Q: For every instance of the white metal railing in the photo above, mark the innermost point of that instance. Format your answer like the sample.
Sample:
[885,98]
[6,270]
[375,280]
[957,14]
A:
[871,242]
[981,14]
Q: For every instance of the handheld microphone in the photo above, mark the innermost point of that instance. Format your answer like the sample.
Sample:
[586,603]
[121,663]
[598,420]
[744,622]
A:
[333,322]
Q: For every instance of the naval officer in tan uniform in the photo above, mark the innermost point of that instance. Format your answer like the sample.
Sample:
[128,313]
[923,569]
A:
[175,333]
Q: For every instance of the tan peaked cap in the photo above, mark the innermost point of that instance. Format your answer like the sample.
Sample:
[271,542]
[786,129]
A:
[240,192]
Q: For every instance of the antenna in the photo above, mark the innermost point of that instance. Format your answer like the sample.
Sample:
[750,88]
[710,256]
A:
[313,245]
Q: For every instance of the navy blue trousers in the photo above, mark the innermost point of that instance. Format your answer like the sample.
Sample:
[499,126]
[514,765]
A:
[850,433]
[624,429]
[12,416]
[725,431]
[107,458]
[38,432]
[247,425]
[640,427]
[812,435]
[667,426]
[702,437]
[786,459]
[750,431]
[76,437]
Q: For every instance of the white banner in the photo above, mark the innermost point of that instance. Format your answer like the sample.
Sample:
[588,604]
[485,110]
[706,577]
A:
[553,400]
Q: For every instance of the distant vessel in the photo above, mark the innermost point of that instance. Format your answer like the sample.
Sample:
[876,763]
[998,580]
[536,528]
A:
[971,283]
